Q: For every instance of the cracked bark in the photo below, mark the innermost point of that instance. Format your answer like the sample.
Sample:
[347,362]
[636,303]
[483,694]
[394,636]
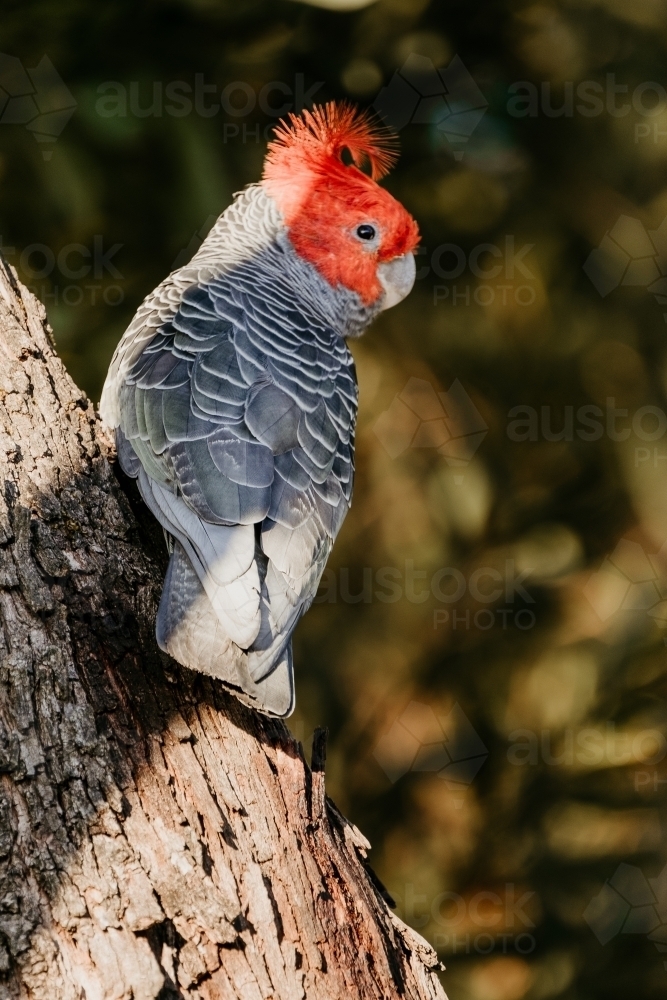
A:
[157,839]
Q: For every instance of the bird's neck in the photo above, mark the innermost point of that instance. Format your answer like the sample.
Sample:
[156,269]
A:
[251,233]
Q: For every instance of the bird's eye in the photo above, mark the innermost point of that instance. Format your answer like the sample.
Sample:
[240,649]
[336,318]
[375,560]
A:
[366,232]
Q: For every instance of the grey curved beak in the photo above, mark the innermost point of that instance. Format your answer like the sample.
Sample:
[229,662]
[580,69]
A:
[397,277]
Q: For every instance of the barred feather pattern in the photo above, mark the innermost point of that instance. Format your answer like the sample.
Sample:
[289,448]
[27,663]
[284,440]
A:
[234,398]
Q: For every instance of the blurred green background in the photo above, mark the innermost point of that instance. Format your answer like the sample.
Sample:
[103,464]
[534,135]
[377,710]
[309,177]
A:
[488,649]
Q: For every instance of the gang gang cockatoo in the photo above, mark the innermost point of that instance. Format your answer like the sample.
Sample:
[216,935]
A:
[233,395]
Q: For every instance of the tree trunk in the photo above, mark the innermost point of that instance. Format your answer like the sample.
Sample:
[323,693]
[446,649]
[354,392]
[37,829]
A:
[157,839]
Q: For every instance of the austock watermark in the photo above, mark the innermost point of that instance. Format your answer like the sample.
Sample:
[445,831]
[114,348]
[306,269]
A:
[631,903]
[236,100]
[590,423]
[36,98]
[489,920]
[504,276]
[447,585]
[74,275]
[586,98]
[586,747]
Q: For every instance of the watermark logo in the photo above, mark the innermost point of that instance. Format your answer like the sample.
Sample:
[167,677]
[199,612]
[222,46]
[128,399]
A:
[630,903]
[447,98]
[36,98]
[631,255]
[419,740]
[420,417]
[185,255]
[629,580]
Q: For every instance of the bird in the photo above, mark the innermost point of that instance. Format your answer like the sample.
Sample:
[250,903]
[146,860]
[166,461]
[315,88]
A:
[233,395]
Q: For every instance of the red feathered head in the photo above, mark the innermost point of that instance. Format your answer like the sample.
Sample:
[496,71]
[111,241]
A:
[338,217]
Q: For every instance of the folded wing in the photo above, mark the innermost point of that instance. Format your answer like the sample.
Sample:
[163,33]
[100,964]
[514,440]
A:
[237,418]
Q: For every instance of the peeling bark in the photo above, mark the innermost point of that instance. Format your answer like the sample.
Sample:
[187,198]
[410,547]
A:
[157,839]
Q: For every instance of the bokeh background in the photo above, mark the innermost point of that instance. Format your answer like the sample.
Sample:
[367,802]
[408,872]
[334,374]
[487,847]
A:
[488,649]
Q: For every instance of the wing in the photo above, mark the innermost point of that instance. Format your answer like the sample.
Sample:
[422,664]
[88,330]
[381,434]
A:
[238,419]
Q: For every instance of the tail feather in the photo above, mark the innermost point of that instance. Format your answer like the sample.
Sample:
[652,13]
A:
[187,627]
[221,556]
[279,611]
[271,646]
[189,630]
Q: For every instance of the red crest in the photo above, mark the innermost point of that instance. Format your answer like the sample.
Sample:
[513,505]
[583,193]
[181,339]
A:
[318,138]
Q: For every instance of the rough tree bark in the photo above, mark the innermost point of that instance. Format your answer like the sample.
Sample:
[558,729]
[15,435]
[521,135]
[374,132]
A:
[157,839]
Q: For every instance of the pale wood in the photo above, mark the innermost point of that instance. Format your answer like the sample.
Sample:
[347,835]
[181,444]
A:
[157,839]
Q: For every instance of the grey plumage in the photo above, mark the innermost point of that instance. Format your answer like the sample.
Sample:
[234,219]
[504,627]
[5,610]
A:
[234,398]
